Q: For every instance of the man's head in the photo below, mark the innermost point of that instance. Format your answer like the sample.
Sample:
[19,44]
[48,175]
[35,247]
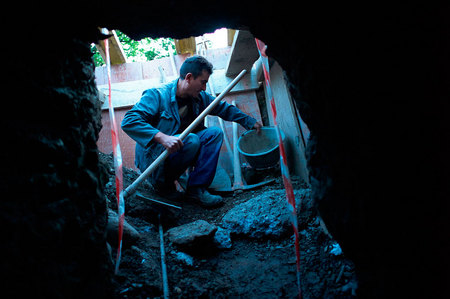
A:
[194,74]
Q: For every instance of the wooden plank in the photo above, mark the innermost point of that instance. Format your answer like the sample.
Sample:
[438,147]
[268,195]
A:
[243,53]
[259,69]
[126,94]
[287,120]
[102,97]
[220,81]
[127,145]
[186,45]
[230,36]
[116,53]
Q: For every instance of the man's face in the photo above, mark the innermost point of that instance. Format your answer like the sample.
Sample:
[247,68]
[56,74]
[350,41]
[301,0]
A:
[195,86]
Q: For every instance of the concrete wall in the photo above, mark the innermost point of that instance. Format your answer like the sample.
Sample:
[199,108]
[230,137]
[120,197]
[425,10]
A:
[125,75]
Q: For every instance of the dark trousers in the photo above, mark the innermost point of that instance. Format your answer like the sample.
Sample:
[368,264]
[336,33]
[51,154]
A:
[200,152]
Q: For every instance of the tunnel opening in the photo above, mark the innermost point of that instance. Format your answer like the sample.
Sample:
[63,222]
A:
[395,58]
[230,262]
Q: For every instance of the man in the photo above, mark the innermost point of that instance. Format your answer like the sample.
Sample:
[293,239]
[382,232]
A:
[156,121]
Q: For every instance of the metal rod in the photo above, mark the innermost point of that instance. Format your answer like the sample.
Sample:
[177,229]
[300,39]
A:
[227,141]
[163,260]
[238,182]
[157,201]
[132,188]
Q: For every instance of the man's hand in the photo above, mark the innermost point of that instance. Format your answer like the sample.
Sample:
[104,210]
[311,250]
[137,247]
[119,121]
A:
[171,143]
[257,126]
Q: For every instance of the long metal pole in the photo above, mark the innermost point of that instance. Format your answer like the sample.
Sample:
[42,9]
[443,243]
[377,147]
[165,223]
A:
[163,260]
[132,188]
[238,182]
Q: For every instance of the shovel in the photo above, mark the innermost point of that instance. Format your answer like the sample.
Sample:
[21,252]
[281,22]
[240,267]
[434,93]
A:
[132,188]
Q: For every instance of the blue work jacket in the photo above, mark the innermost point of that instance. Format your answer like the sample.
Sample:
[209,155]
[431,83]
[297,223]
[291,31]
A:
[157,111]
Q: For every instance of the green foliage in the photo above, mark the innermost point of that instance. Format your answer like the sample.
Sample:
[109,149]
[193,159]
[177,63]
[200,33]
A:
[96,57]
[144,50]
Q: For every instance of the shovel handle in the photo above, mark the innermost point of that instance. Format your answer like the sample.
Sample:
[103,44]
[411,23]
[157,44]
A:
[132,188]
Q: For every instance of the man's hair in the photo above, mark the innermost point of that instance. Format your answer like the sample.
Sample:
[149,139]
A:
[195,65]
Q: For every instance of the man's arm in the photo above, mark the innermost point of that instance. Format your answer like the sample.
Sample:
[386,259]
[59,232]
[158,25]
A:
[137,121]
[231,113]
[170,143]
[257,126]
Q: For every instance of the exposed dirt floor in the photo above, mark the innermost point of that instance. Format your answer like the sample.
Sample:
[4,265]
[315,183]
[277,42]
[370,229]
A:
[251,268]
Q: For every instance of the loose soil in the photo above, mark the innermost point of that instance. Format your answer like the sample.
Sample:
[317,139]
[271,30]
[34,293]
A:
[252,268]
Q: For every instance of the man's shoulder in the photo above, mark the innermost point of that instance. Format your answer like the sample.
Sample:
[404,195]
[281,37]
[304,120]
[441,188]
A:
[162,91]
[206,97]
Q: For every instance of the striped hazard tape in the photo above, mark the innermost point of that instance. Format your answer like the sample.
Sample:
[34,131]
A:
[283,162]
[117,157]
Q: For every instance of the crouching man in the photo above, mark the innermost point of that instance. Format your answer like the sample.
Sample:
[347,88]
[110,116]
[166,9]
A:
[162,114]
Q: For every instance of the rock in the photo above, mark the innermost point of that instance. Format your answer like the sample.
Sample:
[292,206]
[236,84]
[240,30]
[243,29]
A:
[222,238]
[336,249]
[192,235]
[266,215]
[184,258]
[130,234]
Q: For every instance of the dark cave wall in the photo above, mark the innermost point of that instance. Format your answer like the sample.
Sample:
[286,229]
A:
[53,213]
[371,82]
[377,91]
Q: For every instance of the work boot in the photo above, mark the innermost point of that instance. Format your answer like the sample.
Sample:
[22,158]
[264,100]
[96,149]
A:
[203,197]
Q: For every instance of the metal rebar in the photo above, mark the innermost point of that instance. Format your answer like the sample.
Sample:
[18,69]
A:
[158,201]
[163,260]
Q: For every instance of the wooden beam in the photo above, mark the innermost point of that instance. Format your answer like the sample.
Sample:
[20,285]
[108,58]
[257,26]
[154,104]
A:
[186,45]
[116,53]
[288,123]
[243,53]
[230,36]
[126,94]
[220,81]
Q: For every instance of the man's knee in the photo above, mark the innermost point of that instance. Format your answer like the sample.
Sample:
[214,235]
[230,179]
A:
[191,143]
[215,133]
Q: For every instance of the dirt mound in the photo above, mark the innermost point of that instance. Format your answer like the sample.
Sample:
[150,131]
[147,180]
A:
[251,268]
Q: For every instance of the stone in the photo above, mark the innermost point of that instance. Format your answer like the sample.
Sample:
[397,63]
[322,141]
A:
[266,215]
[193,234]
[336,249]
[184,258]
[222,238]
[130,234]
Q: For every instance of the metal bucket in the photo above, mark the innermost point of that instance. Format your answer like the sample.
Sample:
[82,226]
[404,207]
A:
[260,150]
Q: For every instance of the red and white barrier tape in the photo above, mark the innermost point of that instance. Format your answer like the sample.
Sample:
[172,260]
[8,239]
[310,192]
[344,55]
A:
[283,161]
[117,157]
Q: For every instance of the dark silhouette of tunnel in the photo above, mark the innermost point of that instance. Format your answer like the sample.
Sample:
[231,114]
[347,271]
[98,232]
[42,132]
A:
[371,82]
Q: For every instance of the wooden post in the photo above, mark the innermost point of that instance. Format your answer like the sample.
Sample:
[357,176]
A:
[117,55]
[230,36]
[295,149]
[243,53]
[186,45]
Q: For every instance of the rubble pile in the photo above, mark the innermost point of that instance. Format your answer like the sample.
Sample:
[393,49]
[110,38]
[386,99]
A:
[244,248]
